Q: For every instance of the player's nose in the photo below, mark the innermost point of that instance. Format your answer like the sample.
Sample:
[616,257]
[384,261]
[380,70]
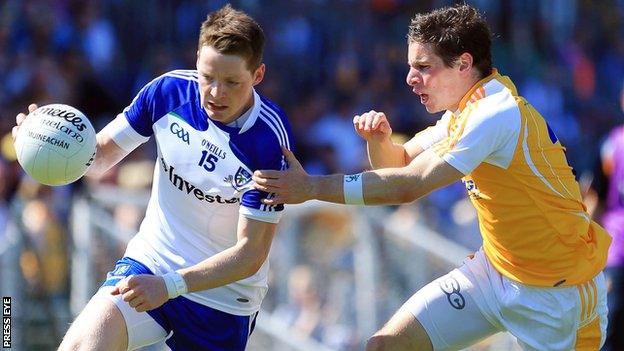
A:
[412,78]
[217,89]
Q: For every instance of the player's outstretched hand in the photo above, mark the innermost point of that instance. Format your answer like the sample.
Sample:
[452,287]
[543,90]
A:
[291,186]
[372,126]
[19,119]
[142,292]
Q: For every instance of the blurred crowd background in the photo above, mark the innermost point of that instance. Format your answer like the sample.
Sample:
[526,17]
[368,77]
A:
[326,61]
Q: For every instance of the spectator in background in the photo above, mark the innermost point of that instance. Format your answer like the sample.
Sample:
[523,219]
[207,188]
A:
[608,185]
[333,130]
[303,311]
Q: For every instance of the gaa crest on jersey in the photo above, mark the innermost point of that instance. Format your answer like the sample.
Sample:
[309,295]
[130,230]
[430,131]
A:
[180,132]
[240,179]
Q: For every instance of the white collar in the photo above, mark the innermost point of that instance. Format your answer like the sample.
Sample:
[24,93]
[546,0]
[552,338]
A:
[254,111]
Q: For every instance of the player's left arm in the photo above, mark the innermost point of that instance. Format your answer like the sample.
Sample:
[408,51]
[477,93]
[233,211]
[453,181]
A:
[145,292]
[238,262]
[489,135]
[425,173]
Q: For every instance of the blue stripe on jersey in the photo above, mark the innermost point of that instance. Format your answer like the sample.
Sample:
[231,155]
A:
[162,95]
[260,148]
[195,326]
[275,124]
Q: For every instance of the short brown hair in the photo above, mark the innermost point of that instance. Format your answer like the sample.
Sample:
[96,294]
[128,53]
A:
[453,31]
[233,32]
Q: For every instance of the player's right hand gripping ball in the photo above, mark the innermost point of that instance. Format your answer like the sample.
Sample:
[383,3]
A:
[56,144]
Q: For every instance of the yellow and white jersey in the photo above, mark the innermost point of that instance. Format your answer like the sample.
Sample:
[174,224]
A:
[534,225]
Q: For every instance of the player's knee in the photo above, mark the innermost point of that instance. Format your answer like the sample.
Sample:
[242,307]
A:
[389,342]
[100,326]
[72,343]
[379,342]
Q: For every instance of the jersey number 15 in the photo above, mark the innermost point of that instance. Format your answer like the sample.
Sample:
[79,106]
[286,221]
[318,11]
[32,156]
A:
[208,161]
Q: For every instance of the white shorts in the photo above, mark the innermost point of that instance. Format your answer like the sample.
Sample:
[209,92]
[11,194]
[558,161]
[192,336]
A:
[142,329]
[476,301]
[184,324]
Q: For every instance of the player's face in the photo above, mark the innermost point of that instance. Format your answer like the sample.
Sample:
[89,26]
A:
[225,84]
[438,86]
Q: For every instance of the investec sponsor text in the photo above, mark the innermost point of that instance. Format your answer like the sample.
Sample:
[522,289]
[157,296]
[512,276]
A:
[189,188]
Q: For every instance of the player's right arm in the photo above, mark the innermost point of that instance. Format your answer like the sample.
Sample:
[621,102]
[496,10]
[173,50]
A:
[129,129]
[374,127]
[107,155]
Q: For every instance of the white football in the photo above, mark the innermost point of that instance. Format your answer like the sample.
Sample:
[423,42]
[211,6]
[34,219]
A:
[55,144]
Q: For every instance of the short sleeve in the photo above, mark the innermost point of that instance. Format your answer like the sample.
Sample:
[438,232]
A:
[262,149]
[141,111]
[251,201]
[123,134]
[484,134]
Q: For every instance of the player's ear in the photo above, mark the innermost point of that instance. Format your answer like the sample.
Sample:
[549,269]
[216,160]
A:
[258,74]
[465,62]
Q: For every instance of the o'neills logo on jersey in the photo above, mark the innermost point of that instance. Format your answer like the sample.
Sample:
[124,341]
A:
[184,186]
[214,149]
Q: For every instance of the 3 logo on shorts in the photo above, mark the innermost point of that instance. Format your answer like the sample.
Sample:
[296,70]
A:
[450,287]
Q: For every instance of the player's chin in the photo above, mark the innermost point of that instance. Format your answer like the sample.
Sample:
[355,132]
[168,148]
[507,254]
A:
[433,109]
[220,116]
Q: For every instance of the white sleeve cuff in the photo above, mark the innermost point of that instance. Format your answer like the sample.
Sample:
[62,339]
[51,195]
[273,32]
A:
[123,134]
[263,216]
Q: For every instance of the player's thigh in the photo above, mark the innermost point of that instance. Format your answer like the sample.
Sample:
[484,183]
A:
[402,332]
[99,326]
[109,323]
[447,309]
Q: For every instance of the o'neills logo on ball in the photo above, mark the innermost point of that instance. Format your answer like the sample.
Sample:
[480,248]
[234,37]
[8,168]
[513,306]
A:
[69,116]
[56,124]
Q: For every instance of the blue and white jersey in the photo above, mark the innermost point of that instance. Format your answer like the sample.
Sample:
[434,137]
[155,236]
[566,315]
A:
[202,181]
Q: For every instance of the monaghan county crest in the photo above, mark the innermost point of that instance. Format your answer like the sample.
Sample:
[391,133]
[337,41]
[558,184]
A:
[240,179]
